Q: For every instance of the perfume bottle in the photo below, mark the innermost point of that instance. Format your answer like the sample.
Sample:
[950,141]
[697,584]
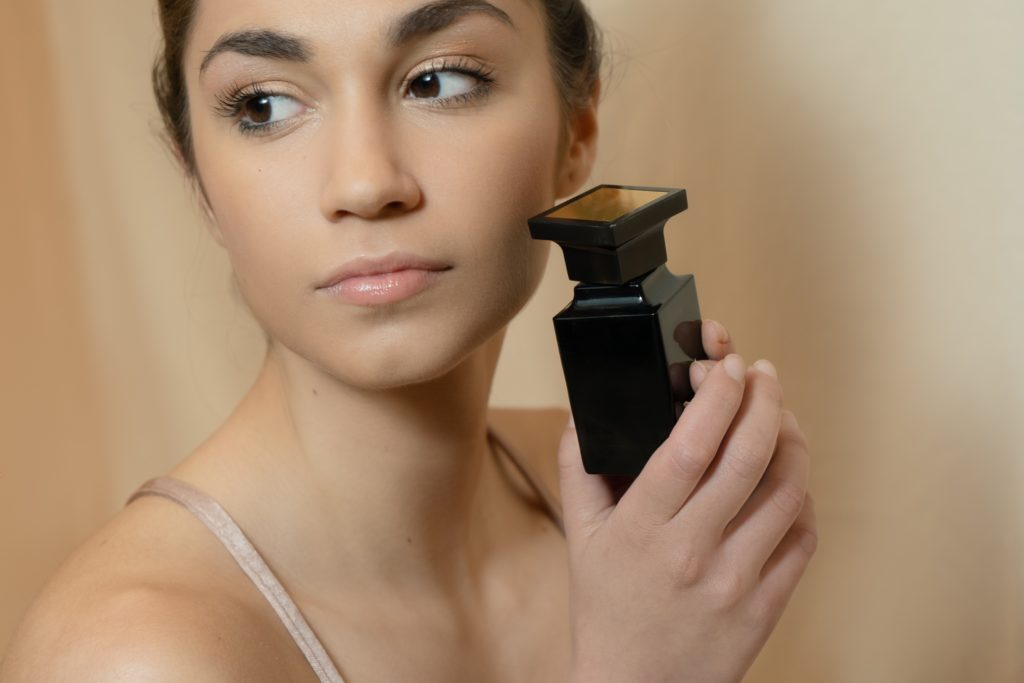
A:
[632,330]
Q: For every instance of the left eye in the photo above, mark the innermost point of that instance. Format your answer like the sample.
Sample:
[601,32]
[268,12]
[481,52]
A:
[442,85]
[262,110]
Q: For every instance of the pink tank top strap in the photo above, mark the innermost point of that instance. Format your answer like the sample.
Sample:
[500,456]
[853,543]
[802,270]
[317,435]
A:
[218,521]
[216,518]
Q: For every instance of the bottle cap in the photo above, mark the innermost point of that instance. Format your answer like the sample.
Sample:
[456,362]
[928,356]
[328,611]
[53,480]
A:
[611,234]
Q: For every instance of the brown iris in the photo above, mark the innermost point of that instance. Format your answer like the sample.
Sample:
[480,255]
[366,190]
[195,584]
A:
[258,109]
[427,85]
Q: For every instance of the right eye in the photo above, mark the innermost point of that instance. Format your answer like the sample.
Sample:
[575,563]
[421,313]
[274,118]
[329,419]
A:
[258,111]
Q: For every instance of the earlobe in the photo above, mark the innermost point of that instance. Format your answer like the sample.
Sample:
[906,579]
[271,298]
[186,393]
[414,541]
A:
[581,150]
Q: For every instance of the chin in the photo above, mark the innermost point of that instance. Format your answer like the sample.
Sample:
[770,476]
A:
[390,374]
[406,358]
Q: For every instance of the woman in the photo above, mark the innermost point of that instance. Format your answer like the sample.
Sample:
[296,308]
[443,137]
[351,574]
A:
[369,167]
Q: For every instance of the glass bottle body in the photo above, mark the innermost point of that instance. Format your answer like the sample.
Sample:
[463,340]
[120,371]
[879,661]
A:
[626,351]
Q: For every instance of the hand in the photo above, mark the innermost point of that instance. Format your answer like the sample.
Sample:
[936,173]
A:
[685,576]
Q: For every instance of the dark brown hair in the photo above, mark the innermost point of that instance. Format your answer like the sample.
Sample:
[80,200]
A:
[573,39]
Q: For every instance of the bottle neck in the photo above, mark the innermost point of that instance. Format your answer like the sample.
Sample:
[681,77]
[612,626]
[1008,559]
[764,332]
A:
[649,290]
[616,265]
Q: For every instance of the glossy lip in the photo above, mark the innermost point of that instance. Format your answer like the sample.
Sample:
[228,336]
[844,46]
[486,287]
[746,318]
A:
[368,281]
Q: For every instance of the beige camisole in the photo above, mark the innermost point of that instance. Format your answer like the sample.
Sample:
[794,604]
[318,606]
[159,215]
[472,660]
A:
[216,518]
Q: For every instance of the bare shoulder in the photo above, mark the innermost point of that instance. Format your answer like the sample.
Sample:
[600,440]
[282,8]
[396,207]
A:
[125,606]
[132,633]
[535,434]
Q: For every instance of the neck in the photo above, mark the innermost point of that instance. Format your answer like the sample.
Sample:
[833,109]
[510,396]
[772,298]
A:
[390,486]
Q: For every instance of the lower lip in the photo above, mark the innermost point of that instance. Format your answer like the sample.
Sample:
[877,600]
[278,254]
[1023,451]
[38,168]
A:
[386,288]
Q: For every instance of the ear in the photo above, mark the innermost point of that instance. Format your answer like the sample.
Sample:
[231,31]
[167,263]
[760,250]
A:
[580,149]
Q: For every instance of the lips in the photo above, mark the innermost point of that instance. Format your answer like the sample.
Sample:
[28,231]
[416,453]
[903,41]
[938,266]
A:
[369,282]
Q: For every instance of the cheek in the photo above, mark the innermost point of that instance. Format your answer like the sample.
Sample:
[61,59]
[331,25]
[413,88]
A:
[501,175]
[255,207]
[267,260]
[525,172]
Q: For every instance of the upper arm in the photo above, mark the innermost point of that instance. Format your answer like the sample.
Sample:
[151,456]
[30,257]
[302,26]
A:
[137,634]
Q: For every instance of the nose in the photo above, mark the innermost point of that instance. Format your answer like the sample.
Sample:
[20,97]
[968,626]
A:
[366,176]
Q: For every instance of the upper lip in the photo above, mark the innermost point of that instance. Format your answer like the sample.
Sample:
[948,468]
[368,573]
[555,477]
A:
[365,266]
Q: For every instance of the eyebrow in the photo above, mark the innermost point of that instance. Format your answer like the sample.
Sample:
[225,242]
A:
[259,43]
[422,21]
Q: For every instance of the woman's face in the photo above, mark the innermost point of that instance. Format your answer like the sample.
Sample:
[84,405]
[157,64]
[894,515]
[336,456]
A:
[398,147]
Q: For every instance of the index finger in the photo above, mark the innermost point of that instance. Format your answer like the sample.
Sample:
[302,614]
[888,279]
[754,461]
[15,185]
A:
[677,466]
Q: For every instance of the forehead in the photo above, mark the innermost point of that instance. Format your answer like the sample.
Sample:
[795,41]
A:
[351,26]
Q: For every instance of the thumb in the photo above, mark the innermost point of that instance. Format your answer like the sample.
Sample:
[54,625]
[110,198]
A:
[587,499]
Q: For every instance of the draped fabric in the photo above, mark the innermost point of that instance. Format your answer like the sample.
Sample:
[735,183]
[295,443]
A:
[853,173]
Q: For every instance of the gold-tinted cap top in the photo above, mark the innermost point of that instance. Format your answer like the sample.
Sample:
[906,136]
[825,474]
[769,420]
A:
[606,204]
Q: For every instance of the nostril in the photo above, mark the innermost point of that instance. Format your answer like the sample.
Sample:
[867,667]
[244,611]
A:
[394,208]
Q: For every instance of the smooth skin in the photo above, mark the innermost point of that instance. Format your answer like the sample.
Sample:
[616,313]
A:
[358,461]
[703,551]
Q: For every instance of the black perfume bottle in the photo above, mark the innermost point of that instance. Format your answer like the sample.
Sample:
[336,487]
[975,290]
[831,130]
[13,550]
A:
[632,329]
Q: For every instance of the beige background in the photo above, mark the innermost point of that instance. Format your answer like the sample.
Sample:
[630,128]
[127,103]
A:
[854,172]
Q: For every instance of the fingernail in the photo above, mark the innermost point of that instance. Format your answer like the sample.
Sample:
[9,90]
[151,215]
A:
[735,367]
[767,368]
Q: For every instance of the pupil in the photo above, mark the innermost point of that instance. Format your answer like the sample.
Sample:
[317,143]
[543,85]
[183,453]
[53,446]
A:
[427,85]
[259,110]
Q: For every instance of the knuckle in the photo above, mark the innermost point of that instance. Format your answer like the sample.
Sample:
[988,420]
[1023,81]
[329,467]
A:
[689,459]
[745,462]
[808,525]
[790,433]
[787,497]
[728,590]
[687,566]
[808,540]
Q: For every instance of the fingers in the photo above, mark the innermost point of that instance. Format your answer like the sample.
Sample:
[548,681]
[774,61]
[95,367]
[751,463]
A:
[675,469]
[586,499]
[717,342]
[787,564]
[742,459]
[754,534]
[699,369]
[717,345]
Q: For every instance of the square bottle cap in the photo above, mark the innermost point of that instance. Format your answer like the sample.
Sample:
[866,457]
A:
[611,234]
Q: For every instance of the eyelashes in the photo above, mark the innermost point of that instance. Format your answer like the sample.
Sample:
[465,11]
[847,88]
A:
[461,66]
[238,103]
[233,104]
